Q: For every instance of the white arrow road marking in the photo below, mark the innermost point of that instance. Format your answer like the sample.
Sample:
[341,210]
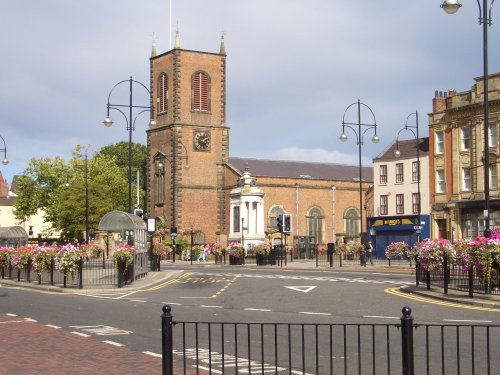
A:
[303,289]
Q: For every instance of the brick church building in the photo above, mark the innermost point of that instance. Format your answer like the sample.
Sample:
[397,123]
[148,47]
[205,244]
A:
[192,175]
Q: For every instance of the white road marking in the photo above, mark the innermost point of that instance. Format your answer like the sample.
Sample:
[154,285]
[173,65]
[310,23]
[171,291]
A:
[314,313]
[9,314]
[215,307]
[210,370]
[380,317]
[153,354]
[466,321]
[113,343]
[172,303]
[252,309]
[137,300]
[80,334]
[53,326]
[303,289]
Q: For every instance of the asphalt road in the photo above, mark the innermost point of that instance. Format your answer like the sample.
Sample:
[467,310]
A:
[132,318]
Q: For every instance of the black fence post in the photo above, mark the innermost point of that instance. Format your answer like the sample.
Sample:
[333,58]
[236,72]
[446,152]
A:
[80,273]
[52,270]
[166,341]
[417,271]
[445,271]
[428,279]
[471,282]
[28,269]
[407,341]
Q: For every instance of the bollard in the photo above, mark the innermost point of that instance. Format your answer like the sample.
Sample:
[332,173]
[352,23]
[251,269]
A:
[166,341]
[407,341]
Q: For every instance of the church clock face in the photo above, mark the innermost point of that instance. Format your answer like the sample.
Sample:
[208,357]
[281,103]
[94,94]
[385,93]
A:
[201,140]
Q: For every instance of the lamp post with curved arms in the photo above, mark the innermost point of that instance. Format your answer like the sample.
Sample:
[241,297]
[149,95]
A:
[450,7]
[397,153]
[359,139]
[4,149]
[130,124]
[160,164]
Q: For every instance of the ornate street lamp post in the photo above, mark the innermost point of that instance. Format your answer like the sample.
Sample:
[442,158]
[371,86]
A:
[450,7]
[130,124]
[4,149]
[397,153]
[359,139]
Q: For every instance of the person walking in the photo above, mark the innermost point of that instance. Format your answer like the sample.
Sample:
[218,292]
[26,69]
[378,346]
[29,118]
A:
[369,252]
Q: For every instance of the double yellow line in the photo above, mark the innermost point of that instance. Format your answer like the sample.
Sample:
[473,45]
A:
[414,297]
[170,282]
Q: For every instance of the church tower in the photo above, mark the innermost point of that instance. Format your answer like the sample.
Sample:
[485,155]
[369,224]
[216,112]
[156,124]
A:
[189,144]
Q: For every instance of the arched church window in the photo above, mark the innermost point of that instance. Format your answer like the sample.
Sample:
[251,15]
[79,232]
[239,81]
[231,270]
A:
[315,223]
[162,93]
[201,92]
[351,223]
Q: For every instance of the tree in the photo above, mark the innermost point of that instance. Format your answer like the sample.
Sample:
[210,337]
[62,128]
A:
[58,187]
[107,191]
[139,163]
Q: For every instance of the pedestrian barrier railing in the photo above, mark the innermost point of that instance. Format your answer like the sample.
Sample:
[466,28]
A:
[88,273]
[456,277]
[403,347]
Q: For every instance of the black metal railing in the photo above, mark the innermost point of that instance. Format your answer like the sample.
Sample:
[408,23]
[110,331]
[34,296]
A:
[458,278]
[289,348]
[91,272]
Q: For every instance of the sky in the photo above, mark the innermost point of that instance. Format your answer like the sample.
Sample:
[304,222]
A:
[293,70]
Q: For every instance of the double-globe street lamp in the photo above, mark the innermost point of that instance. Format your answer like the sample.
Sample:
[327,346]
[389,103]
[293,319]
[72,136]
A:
[4,149]
[130,124]
[362,128]
[450,7]
[397,153]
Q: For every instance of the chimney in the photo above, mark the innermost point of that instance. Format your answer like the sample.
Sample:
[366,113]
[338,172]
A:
[439,102]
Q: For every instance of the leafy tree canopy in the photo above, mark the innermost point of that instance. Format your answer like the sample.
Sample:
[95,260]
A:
[59,188]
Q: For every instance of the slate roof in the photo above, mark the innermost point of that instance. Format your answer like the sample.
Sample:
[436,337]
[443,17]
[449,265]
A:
[407,148]
[301,169]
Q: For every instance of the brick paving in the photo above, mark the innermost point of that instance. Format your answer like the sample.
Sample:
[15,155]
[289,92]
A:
[28,347]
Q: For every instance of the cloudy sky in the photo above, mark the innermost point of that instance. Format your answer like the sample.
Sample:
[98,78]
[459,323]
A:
[293,69]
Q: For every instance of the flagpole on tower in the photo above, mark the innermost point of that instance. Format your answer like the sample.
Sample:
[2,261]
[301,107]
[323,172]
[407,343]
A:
[170,25]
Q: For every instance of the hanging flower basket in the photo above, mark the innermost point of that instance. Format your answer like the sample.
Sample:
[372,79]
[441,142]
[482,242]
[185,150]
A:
[396,250]
[67,258]
[124,254]
[91,251]
[21,256]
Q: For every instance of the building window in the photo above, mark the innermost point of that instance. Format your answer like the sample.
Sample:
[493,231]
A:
[466,182]
[160,180]
[439,142]
[493,135]
[465,139]
[399,173]
[493,176]
[415,173]
[162,93]
[440,183]
[201,92]
[415,203]
[384,203]
[383,174]
[236,219]
[400,204]
[315,219]
[351,222]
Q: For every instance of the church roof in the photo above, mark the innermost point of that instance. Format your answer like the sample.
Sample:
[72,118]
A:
[301,169]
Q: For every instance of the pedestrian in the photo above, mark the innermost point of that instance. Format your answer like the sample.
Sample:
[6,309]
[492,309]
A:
[369,252]
[205,249]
